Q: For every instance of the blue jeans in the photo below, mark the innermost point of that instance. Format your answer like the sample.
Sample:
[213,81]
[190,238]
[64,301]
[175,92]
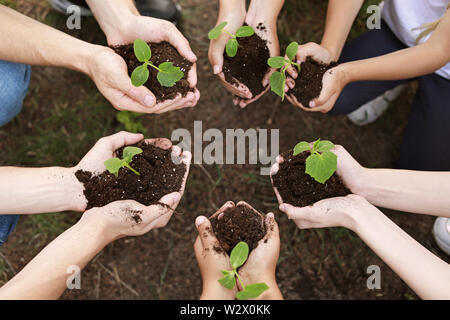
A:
[425,145]
[14,81]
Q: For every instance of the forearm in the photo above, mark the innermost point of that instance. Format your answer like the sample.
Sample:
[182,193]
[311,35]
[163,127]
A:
[407,190]
[267,10]
[46,275]
[39,190]
[27,41]
[340,18]
[112,16]
[408,63]
[424,273]
[227,7]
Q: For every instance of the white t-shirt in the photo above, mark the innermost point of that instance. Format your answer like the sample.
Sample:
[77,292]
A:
[404,15]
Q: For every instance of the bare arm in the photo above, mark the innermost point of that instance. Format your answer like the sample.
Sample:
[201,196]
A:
[339,21]
[28,41]
[424,272]
[407,63]
[37,190]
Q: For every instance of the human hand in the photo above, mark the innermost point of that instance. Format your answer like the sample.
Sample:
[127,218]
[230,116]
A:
[349,171]
[261,264]
[210,260]
[333,82]
[129,218]
[110,74]
[106,147]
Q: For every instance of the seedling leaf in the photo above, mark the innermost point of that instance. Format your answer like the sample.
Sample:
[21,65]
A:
[139,76]
[276,62]
[301,147]
[291,50]
[321,166]
[244,31]
[130,152]
[239,255]
[277,81]
[141,50]
[113,165]
[215,32]
[228,281]
[231,47]
[252,291]
[324,145]
[169,74]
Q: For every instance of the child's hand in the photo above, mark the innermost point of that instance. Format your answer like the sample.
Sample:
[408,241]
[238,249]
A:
[262,261]
[348,169]
[212,259]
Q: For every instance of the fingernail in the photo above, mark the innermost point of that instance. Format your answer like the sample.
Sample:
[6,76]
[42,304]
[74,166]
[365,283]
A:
[216,69]
[199,220]
[193,57]
[312,104]
[149,100]
[265,83]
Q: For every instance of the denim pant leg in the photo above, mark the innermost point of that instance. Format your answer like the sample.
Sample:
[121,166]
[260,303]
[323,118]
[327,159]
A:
[14,81]
[425,144]
[371,44]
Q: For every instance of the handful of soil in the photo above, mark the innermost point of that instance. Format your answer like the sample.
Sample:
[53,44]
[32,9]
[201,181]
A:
[158,176]
[298,188]
[308,84]
[161,52]
[249,66]
[239,223]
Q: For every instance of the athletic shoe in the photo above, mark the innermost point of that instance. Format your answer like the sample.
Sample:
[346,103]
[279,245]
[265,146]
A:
[441,233]
[373,109]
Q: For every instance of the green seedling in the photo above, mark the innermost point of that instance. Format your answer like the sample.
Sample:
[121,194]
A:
[322,163]
[232,45]
[278,78]
[238,256]
[168,75]
[113,165]
[131,121]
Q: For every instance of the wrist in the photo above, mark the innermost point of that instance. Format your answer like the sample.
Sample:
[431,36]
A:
[215,291]
[93,226]
[76,201]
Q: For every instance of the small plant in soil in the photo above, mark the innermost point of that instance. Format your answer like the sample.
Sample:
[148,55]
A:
[232,45]
[168,74]
[278,78]
[321,164]
[113,165]
[238,256]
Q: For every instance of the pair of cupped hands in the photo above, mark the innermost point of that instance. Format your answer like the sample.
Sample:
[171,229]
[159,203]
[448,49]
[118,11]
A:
[109,71]
[333,81]
[114,218]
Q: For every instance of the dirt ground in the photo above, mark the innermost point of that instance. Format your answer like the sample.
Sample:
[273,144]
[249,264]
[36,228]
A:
[64,115]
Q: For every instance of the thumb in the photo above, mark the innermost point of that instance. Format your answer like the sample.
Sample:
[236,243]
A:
[205,232]
[325,95]
[294,212]
[176,38]
[141,95]
[216,50]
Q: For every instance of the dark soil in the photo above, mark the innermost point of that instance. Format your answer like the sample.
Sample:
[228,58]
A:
[236,224]
[158,176]
[249,66]
[298,188]
[161,52]
[308,84]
